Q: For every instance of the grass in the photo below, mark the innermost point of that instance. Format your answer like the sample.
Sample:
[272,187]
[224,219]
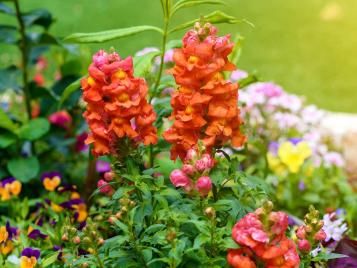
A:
[307,46]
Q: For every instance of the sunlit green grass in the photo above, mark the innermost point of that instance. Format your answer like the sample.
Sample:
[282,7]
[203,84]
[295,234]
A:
[308,46]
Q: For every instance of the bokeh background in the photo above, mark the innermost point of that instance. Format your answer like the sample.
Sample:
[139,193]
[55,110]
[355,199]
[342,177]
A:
[307,46]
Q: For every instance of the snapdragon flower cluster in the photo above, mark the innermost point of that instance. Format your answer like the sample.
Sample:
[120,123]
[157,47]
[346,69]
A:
[205,104]
[261,236]
[116,104]
[193,176]
[310,234]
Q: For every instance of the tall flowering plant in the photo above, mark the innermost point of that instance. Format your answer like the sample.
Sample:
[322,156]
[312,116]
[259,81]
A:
[205,104]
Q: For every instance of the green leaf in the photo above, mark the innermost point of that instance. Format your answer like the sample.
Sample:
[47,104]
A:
[237,50]
[7,10]
[155,228]
[5,122]
[166,7]
[190,3]
[122,226]
[142,64]
[41,17]
[34,129]
[9,78]
[68,91]
[324,256]
[99,37]
[23,169]
[6,139]
[8,34]
[51,258]
[215,17]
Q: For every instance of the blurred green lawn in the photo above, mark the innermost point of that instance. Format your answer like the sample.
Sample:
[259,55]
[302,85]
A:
[307,46]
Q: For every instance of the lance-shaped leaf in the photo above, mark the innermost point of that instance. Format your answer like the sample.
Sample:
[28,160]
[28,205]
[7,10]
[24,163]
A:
[190,3]
[9,78]
[104,36]
[8,34]
[68,91]
[215,17]
[6,9]
[41,17]
[5,122]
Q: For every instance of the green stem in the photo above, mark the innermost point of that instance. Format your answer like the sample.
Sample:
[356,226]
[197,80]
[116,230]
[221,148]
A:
[163,50]
[100,263]
[25,58]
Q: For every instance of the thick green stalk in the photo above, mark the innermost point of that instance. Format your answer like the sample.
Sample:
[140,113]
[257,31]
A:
[24,59]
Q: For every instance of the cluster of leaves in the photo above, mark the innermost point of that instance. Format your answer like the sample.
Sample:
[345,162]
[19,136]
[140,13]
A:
[26,139]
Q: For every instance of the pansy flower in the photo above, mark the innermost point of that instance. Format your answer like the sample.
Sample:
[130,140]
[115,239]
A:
[78,206]
[51,180]
[9,187]
[29,257]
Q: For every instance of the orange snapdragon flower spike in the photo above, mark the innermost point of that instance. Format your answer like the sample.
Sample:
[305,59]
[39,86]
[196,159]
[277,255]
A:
[205,105]
[116,104]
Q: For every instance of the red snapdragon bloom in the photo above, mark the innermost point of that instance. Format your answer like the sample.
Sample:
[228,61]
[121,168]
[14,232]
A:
[205,104]
[263,232]
[240,258]
[116,104]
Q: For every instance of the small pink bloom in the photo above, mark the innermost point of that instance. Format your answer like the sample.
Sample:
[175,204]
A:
[39,79]
[41,64]
[108,176]
[204,185]
[320,235]
[188,169]
[61,119]
[300,232]
[304,245]
[191,155]
[205,163]
[104,187]
[280,222]
[179,179]
[100,58]
[80,142]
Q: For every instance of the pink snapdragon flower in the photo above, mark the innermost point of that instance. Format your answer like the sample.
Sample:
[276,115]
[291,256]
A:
[179,178]
[204,185]
[105,187]
[61,119]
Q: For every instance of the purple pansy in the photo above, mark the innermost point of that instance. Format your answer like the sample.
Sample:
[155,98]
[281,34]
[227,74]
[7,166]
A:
[31,252]
[12,231]
[36,234]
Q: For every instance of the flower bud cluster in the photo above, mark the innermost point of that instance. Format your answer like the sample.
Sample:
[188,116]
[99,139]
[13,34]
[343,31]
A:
[193,175]
[310,234]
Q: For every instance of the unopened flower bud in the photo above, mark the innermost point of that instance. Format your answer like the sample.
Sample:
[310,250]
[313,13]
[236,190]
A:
[204,185]
[320,235]
[111,219]
[308,228]
[124,201]
[179,179]
[124,209]
[94,233]
[188,169]
[100,241]
[191,153]
[76,240]
[304,245]
[86,240]
[91,250]
[210,212]
[85,265]
[132,203]
[64,237]
[171,235]
[72,230]
[118,215]
[108,176]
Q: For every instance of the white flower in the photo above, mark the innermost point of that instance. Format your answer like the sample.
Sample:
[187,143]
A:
[334,227]
[333,159]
